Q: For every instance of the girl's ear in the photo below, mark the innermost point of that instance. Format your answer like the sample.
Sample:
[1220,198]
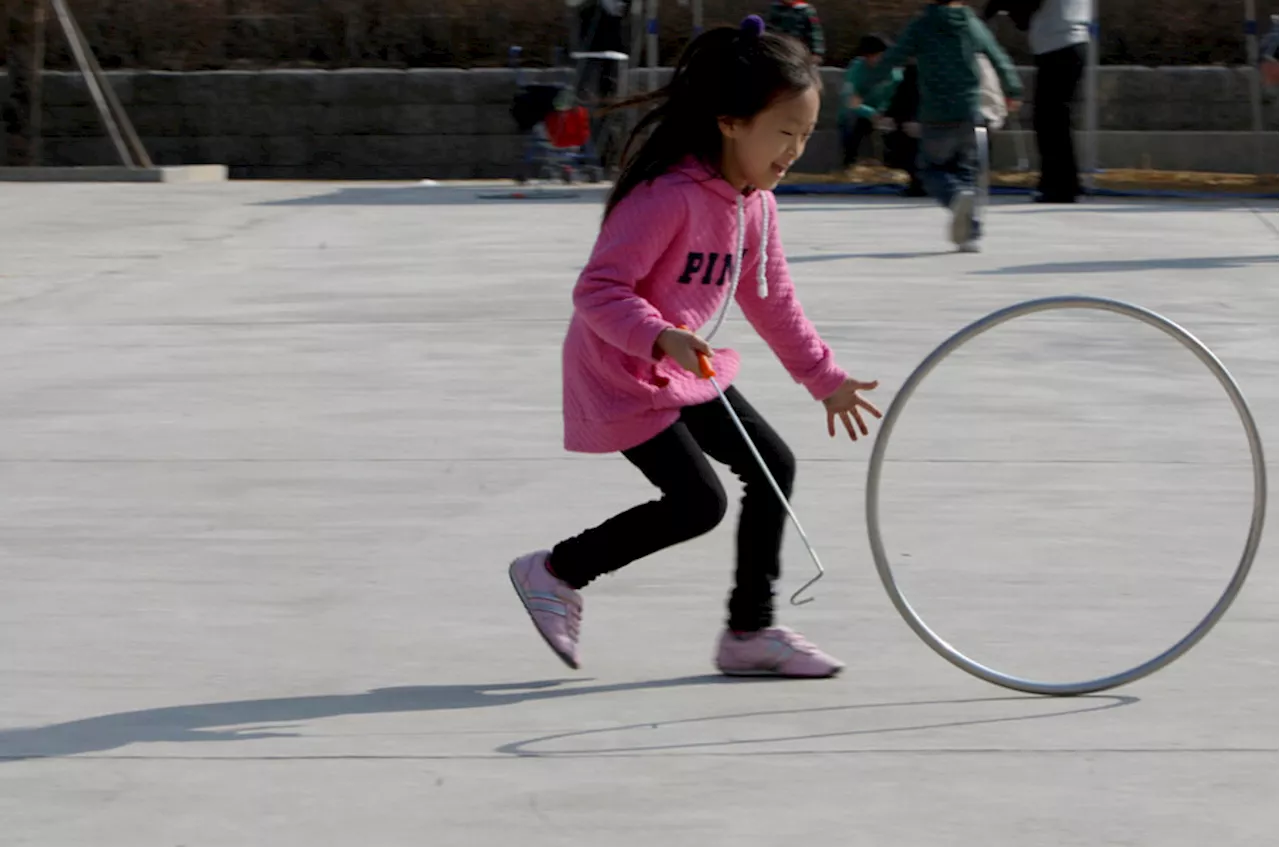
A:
[729,127]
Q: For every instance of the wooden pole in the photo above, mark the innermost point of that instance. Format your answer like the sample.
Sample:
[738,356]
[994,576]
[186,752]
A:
[78,50]
[25,66]
[131,139]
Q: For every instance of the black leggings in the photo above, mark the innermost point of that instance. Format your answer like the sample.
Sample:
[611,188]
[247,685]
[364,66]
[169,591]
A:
[694,502]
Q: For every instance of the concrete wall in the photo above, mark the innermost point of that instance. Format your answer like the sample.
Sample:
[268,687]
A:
[448,124]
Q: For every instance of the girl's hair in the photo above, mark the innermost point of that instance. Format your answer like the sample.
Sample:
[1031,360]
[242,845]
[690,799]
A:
[723,73]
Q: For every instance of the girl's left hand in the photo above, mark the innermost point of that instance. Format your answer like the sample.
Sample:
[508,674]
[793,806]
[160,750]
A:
[844,401]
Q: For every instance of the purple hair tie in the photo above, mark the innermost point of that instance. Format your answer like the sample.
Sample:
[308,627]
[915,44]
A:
[752,26]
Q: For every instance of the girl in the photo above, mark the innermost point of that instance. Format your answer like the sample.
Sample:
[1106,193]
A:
[690,213]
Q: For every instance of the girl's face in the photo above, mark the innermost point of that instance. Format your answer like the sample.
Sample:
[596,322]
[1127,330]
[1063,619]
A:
[759,151]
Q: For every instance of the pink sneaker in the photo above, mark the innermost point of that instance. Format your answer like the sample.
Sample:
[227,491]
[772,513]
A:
[556,609]
[776,651]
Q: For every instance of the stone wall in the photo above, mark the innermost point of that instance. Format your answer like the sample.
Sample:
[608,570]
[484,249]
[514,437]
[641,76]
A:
[451,124]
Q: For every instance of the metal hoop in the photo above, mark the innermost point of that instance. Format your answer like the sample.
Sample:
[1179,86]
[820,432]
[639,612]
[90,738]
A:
[972,331]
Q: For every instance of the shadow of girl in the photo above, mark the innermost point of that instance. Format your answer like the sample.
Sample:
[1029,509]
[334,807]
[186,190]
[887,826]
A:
[240,720]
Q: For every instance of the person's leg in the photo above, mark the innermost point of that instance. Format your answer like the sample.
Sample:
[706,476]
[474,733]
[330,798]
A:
[948,164]
[1074,60]
[751,644]
[856,132]
[900,152]
[911,159]
[1057,80]
[865,130]
[848,143]
[965,166]
[1042,118]
[763,519]
[934,163]
[693,502]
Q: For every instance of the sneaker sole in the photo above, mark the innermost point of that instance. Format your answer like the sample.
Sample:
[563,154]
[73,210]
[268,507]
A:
[777,674]
[511,574]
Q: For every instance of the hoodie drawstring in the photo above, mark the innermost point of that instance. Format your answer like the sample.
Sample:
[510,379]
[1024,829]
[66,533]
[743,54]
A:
[735,261]
[762,282]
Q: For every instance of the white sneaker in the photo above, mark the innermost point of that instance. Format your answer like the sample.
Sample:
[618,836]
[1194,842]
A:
[971,246]
[962,216]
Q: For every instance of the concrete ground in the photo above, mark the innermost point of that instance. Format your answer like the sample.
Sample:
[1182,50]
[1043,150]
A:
[266,450]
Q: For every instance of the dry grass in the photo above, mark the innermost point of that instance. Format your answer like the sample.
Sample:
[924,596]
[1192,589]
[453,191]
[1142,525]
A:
[200,34]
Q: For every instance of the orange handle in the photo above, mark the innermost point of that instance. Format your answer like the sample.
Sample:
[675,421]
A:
[705,366]
[704,362]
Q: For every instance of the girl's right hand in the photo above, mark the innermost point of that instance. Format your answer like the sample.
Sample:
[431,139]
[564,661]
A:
[845,400]
[684,347]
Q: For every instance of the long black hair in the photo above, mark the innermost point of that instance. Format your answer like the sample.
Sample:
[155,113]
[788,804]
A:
[723,73]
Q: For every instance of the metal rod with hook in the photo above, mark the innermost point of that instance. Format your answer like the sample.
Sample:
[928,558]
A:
[709,373]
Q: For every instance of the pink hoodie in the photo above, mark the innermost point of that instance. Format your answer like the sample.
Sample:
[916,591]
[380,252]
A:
[662,260]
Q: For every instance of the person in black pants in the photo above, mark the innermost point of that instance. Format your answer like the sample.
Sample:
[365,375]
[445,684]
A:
[1058,75]
[1058,32]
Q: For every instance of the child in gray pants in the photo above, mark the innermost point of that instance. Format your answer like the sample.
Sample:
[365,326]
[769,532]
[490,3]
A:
[946,40]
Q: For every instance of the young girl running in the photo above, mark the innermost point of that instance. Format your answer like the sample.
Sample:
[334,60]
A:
[690,214]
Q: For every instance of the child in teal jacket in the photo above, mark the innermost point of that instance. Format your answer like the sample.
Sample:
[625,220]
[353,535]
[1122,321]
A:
[946,40]
[862,104]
